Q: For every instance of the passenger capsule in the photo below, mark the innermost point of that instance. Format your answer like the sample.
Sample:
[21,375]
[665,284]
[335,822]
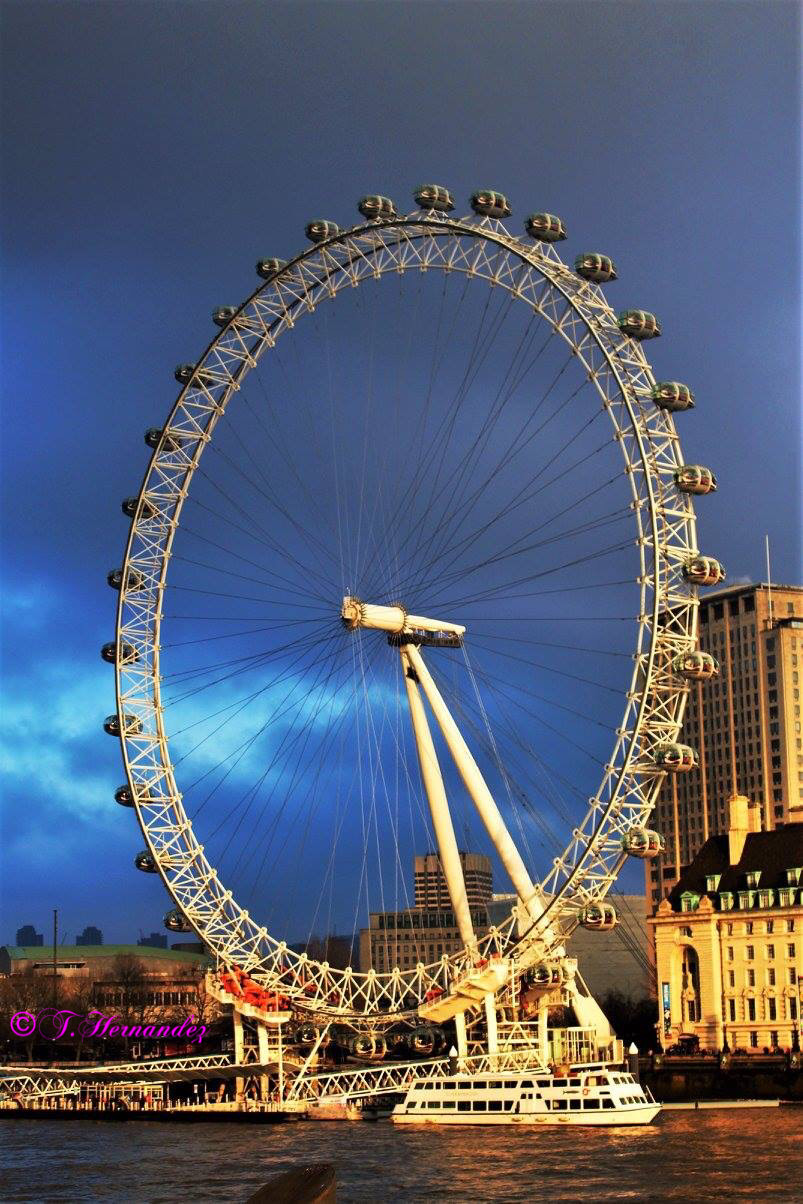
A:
[696,666]
[639,324]
[155,435]
[695,478]
[124,796]
[676,758]
[144,861]
[129,508]
[320,230]
[672,395]
[547,974]
[133,725]
[268,268]
[490,204]
[186,373]
[599,917]
[545,227]
[306,1034]
[596,267]
[223,314]
[134,579]
[643,843]
[433,196]
[375,207]
[423,1040]
[175,921]
[128,653]
[703,570]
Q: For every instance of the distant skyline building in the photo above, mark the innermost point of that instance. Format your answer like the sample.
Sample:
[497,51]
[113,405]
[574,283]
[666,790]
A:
[427,931]
[156,940]
[430,881]
[28,937]
[745,725]
[90,936]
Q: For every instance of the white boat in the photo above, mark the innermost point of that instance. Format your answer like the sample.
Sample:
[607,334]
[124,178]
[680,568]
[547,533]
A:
[593,1095]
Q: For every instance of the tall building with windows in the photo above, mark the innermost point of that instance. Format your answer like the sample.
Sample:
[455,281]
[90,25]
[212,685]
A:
[428,931]
[745,725]
[90,936]
[430,882]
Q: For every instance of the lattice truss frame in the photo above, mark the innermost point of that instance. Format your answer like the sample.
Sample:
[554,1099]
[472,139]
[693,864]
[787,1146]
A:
[577,311]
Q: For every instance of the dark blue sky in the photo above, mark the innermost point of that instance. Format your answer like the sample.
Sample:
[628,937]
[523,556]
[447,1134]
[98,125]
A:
[152,152]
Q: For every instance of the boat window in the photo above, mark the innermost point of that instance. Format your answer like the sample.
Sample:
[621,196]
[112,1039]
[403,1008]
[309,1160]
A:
[524,1083]
[574,1082]
[511,1083]
[464,1105]
[448,1103]
[559,1082]
[559,1104]
[607,1103]
[544,1082]
[495,1105]
[592,1103]
[574,1104]
[480,1105]
[465,1086]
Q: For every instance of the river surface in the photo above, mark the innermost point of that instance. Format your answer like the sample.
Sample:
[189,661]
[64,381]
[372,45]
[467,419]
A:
[746,1155]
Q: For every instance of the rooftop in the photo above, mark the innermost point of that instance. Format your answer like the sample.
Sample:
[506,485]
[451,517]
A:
[772,853]
[86,952]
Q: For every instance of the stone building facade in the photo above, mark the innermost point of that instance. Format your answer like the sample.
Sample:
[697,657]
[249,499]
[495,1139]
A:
[729,939]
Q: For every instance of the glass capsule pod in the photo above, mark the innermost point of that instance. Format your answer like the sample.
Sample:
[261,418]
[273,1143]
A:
[546,227]
[306,1034]
[548,974]
[133,725]
[695,478]
[134,579]
[422,1040]
[128,653]
[593,266]
[488,203]
[433,196]
[144,861]
[223,314]
[599,917]
[643,843]
[371,1046]
[319,230]
[703,570]
[695,665]
[124,796]
[639,324]
[374,207]
[129,508]
[186,373]
[174,921]
[677,758]
[672,395]
[268,268]
[153,437]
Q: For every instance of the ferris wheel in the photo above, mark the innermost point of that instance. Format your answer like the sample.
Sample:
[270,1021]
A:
[413,565]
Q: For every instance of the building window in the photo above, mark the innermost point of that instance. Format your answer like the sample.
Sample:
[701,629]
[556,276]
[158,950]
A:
[750,952]
[751,978]
[792,976]
[730,953]
[731,978]
[732,1008]
[770,952]
[772,1013]
[753,1036]
[771,977]
[749,927]
[751,1009]
[770,926]
[790,951]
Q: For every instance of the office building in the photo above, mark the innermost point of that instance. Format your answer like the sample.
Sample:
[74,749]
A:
[90,936]
[745,725]
[27,935]
[430,882]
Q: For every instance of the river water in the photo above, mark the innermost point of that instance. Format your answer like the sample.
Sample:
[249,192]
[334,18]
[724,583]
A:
[745,1155]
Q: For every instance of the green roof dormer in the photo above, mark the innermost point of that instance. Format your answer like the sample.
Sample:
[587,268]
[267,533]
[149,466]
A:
[689,901]
[752,878]
[712,881]
[793,876]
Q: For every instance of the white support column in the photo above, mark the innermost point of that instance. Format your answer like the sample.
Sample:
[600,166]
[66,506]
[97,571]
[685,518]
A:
[438,805]
[239,1055]
[490,1023]
[543,1031]
[264,1056]
[460,1032]
[475,785]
